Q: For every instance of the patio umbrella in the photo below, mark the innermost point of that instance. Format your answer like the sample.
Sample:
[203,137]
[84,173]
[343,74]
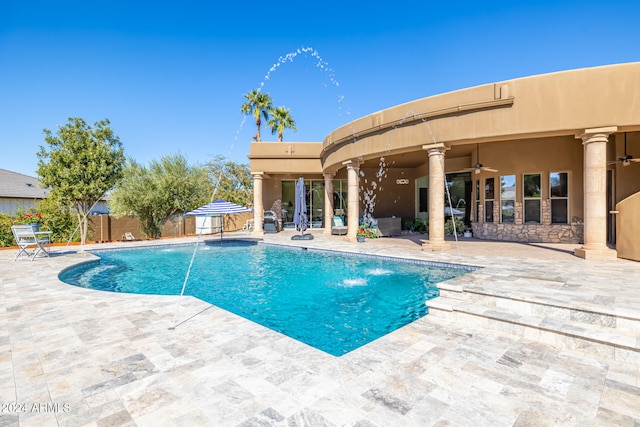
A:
[300,212]
[221,208]
[454,211]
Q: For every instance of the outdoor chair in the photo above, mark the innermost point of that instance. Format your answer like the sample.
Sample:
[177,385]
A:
[248,225]
[30,242]
[338,226]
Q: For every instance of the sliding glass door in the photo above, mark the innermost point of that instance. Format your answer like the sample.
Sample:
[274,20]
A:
[314,193]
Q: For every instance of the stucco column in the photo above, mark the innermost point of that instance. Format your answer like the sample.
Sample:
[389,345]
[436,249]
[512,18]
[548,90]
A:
[353,204]
[436,241]
[328,203]
[258,207]
[594,143]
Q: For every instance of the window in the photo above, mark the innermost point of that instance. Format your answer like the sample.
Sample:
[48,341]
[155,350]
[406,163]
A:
[315,201]
[559,193]
[532,195]
[489,196]
[340,197]
[508,199]
[423,200]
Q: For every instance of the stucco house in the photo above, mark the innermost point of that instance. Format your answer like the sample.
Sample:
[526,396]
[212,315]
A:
[545,158]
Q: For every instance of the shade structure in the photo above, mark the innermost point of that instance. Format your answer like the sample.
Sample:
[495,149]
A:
[219,207]
[454,211]
[300,218]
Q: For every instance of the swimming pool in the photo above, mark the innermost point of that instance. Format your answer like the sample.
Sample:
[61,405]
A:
[333,301]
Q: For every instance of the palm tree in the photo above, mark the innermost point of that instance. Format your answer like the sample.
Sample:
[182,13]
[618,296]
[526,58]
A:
[280,120]
[259,104]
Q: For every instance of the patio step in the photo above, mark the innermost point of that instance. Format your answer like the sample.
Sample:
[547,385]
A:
[591,329]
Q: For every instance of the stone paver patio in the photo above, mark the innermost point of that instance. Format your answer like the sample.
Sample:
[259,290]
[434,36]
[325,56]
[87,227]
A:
[77,357]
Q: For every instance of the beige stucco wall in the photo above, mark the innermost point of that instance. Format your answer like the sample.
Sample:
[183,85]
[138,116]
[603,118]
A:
[553,104]
[525,125]
[285,157]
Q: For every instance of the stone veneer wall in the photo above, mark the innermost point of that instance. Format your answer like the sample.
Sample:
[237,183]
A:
[530,233]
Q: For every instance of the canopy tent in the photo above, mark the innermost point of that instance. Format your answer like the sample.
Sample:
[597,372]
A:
[221,208]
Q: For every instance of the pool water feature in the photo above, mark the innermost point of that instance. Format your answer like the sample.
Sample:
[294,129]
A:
[333,301]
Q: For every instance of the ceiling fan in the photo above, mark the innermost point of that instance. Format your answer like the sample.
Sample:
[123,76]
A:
[478,167]
[627,158]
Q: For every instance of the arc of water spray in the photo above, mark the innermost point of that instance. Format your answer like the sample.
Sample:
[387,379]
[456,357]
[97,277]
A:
[368,194]
[184,284]
[412,114]
[370,201]
[197,243]
[322,64]
[382,171]
[216,186]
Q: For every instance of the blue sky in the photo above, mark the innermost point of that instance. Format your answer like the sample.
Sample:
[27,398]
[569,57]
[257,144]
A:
[170,76]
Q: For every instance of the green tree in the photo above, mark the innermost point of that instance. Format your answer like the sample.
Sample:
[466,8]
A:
[232,181]
[154,194]
[80,165]
[280,120]
[258,105]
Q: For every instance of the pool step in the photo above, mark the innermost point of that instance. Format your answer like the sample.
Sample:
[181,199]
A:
[526,303]
[590,329]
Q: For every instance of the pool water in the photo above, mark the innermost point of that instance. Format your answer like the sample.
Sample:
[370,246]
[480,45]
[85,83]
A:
[335,302]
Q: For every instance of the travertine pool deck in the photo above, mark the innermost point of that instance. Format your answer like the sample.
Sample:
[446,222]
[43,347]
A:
[78,357]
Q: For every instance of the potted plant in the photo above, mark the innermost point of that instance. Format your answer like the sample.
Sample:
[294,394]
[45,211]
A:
[361,234]
[366,232]
[35,220]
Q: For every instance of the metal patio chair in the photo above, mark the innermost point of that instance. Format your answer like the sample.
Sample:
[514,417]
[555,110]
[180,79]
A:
[30,242]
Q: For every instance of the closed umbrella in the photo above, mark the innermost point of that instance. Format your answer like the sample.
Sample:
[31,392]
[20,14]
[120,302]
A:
[219,207]
[300,218]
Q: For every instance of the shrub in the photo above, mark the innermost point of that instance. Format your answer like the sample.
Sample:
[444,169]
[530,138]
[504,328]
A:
[459,226]
[6,235]
[417,225]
